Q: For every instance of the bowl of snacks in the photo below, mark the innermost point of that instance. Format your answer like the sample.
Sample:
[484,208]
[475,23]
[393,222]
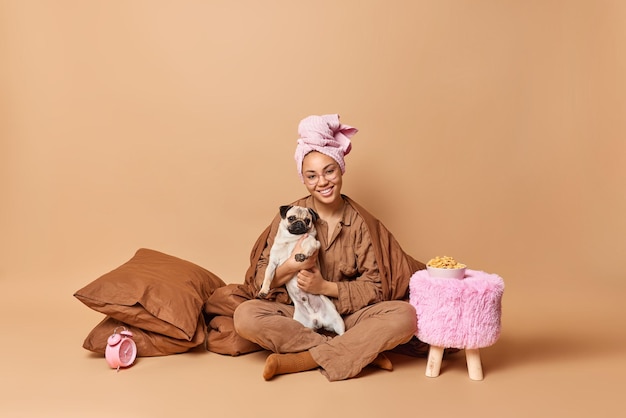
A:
[445,267]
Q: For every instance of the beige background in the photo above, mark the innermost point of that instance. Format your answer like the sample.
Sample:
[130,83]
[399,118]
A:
[493,131]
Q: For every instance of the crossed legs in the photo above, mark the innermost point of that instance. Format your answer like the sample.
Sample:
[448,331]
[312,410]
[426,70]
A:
[369,332]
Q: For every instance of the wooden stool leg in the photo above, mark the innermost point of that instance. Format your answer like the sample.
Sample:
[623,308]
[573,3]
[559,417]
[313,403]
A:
[433,366]
[474,365]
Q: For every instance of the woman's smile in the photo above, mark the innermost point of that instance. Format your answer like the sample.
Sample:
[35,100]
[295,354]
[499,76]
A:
[327,191]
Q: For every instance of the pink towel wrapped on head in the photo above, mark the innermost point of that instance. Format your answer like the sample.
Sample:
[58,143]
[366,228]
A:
[326,135]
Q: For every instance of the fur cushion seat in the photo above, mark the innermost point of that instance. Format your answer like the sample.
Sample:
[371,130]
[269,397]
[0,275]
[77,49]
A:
[460,313]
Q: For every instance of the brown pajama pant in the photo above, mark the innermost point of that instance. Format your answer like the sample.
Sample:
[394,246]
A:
[369,331]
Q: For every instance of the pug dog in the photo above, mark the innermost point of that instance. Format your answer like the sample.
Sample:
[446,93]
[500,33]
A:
[312,311]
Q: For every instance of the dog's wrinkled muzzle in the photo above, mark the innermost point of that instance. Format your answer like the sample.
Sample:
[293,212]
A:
[298,228]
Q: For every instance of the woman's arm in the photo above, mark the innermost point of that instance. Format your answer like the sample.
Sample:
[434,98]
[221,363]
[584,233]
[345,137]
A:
[312,281]
[291,267]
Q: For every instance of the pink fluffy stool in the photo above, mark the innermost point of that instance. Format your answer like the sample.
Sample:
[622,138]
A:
[457,313]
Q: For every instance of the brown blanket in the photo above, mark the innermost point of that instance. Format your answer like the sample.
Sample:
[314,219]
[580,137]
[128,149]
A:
[396,268]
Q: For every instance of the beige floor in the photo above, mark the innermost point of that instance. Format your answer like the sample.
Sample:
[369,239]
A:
[553,359]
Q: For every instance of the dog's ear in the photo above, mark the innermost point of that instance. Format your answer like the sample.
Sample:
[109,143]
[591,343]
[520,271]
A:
[314,215]
[283,210]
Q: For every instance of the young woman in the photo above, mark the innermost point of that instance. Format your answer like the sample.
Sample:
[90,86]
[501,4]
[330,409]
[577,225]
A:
[361,268]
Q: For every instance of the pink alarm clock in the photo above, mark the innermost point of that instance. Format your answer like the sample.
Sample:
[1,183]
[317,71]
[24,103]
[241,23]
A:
[121,350]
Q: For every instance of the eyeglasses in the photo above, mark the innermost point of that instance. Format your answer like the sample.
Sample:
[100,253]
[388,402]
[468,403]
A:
[330,174]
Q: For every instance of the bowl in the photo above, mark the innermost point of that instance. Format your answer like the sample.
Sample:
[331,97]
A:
[446,273]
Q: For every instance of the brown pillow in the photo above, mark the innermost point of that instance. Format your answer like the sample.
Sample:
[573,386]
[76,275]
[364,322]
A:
[149,344]
[155,292]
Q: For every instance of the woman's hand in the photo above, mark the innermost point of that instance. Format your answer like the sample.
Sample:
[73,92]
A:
[309,262]
[311,281]
[290,267]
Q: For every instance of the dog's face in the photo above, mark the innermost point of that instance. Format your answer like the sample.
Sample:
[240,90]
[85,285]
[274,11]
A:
[297,219]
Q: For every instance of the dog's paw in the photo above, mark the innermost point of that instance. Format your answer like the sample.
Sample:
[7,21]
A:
[310,245]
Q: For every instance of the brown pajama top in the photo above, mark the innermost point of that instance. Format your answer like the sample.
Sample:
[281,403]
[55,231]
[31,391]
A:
[390,263]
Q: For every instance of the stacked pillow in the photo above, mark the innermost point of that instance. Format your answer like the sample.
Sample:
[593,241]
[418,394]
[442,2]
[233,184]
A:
[156,296]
